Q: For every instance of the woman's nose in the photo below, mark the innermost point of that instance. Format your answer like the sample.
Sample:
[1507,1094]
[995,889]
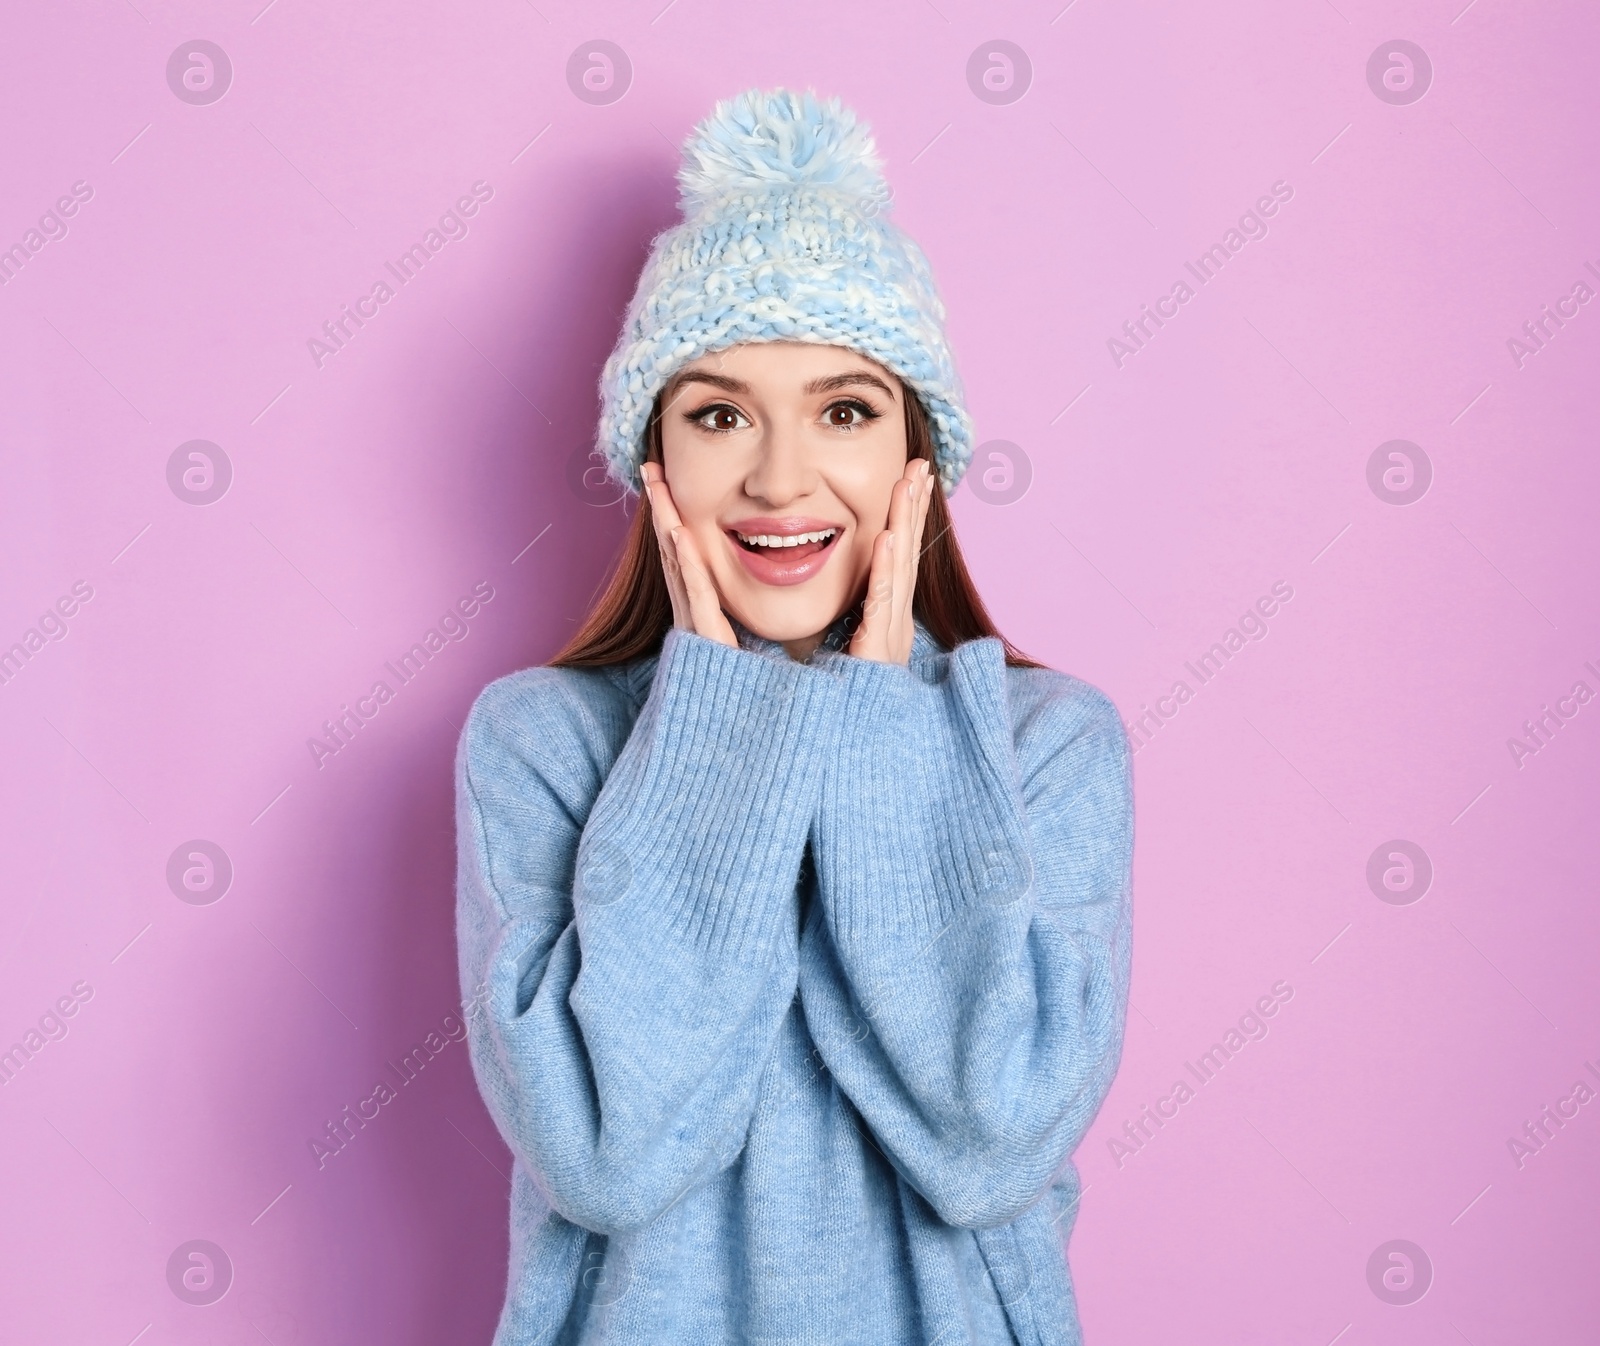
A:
[783,470]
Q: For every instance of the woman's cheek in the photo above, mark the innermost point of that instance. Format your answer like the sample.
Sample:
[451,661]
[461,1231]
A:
[860,557]
[716,550]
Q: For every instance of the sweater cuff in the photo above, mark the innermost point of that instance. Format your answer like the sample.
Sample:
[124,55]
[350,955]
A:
[713,794]
[873,689]
[922,812]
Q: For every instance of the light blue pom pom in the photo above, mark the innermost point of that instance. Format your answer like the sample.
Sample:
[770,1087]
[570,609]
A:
[784,139]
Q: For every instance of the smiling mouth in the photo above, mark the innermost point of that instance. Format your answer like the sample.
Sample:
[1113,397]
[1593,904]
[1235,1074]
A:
[786,546]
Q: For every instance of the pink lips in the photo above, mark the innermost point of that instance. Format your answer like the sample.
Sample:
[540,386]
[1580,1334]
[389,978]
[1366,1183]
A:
[786,565]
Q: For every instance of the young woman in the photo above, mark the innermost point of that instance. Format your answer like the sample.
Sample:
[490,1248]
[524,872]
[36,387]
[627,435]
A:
[793,903]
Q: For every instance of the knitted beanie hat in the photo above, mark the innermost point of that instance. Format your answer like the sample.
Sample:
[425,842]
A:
[784,237]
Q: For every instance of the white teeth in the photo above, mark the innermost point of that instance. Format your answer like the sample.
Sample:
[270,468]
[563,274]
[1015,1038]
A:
[789,540]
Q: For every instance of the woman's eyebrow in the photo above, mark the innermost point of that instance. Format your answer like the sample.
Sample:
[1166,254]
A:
[833,382]
[722,381]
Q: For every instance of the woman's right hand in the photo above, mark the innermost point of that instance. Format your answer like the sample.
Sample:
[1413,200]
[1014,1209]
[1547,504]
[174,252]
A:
[696,605]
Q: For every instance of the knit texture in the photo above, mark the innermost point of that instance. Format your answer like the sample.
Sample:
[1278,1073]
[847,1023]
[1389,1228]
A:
[785,237]
[792,988]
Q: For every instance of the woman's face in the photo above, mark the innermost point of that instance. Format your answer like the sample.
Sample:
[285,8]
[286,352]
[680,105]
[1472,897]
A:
[780,456]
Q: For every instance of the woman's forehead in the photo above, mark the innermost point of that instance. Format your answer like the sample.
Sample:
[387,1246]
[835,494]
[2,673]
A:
[758,358]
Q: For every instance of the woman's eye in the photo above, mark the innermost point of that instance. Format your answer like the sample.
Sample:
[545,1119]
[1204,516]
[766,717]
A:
[850,414]
[719,418]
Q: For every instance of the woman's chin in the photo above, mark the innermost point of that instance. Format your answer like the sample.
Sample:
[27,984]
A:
[793,616]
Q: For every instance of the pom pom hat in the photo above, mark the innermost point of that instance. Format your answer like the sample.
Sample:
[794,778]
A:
[784,237]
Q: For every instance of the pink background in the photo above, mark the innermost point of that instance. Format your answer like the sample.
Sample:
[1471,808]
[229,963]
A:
[1167,496]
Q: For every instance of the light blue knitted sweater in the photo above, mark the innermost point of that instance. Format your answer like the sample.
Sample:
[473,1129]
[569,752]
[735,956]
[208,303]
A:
[792,988]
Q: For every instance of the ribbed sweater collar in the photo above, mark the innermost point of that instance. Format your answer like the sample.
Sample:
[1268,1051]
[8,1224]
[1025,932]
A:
[636,676]
[923,645]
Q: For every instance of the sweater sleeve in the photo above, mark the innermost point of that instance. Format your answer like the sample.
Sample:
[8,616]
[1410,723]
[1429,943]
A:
[969,990]
[626,932]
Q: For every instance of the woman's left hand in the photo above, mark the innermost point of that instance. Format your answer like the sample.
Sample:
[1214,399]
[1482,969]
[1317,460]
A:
[886,616]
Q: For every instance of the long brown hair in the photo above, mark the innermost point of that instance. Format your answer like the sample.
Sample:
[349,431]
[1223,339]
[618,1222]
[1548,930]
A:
[634,613]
